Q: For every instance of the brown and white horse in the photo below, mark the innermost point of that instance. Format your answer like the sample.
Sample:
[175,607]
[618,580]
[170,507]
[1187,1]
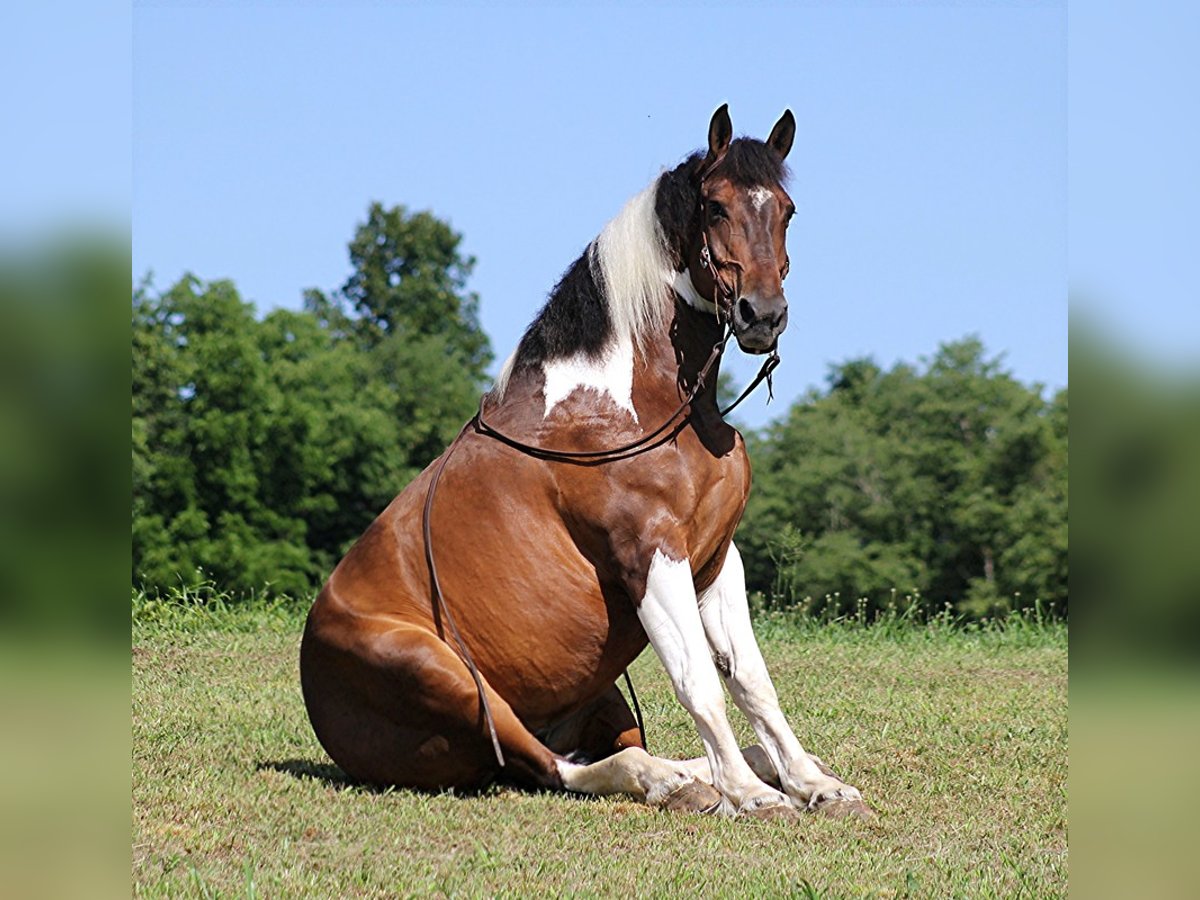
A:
[555,569]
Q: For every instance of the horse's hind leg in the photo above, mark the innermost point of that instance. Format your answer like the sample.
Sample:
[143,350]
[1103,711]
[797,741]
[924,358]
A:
[393,705]
[633,771]
[607,731]
[608,726]
[397,706]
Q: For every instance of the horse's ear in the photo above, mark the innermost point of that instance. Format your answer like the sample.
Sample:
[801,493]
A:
[783,134]
[720,132]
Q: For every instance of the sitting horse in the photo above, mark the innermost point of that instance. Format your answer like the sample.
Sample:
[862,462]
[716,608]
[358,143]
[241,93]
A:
[588,509]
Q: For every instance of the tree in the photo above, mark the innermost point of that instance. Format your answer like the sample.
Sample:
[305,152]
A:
[200,411]
[262,449]
[409,280]
[948,483]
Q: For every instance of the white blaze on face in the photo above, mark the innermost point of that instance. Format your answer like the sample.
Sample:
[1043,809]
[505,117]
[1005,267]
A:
[610,374]
[759,197]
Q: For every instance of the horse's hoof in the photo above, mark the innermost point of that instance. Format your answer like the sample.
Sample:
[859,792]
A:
[779,812]
[693,796]
[840,808]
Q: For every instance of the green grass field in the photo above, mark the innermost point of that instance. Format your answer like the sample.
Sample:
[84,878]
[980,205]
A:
[957,737]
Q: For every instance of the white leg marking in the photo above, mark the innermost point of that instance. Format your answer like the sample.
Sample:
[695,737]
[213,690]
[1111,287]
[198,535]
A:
[632,771]
[610,374]
[726,618]
[671,617]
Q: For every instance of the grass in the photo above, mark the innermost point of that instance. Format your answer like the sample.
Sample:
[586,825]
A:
[957,736]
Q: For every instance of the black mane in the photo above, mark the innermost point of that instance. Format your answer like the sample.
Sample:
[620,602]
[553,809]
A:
[575,318]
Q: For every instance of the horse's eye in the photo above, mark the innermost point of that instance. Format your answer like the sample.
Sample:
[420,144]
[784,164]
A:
[715,210]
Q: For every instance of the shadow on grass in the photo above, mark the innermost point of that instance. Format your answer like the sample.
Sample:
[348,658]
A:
[327,773]
[331,775]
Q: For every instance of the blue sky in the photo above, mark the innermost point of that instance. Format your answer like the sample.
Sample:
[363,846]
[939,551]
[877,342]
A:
[65,116]
[1134,177]
[261,134]
[929,167]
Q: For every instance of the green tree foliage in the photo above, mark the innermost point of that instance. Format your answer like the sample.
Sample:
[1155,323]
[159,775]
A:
[947,484]
[263,448]
[409,280]
[1138,490]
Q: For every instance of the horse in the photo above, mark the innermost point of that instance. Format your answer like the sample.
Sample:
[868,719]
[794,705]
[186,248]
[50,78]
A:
[477,628]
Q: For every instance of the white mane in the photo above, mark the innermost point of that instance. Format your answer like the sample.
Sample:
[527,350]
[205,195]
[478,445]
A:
[630,263]
[506,371]
[634,267]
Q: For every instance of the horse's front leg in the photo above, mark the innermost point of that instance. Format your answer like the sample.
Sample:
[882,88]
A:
[726,618]
[670,613]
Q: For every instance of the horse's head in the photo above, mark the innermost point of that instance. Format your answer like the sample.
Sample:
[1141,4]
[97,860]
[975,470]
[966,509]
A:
[739,255]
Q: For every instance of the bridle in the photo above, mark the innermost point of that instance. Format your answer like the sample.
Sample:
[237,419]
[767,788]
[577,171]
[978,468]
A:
[591,457]
[712,265]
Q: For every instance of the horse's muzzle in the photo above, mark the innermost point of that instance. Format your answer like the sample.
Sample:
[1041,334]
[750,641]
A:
[758,322]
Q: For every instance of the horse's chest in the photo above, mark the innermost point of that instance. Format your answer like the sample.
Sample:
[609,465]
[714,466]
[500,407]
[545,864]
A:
[709,494]
[709,513]
[684,504]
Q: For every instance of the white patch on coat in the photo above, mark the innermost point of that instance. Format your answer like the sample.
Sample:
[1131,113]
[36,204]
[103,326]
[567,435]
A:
[674,629]
[686,288]
[631,265]
[759,197]
[609,374]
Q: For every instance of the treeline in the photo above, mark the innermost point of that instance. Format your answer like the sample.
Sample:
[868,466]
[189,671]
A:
[931,485]
[263,447]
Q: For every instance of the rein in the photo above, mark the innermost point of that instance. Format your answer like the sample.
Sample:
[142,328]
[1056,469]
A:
[643,443]
[646,441]
[633,448]
[584,457]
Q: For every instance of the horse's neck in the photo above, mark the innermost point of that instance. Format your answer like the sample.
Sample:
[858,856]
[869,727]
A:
[678,357]
[657,376]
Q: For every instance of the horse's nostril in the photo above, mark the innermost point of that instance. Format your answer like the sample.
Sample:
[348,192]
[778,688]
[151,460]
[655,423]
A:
[746,311]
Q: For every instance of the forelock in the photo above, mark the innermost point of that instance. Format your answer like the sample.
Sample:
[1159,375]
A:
[749,162]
